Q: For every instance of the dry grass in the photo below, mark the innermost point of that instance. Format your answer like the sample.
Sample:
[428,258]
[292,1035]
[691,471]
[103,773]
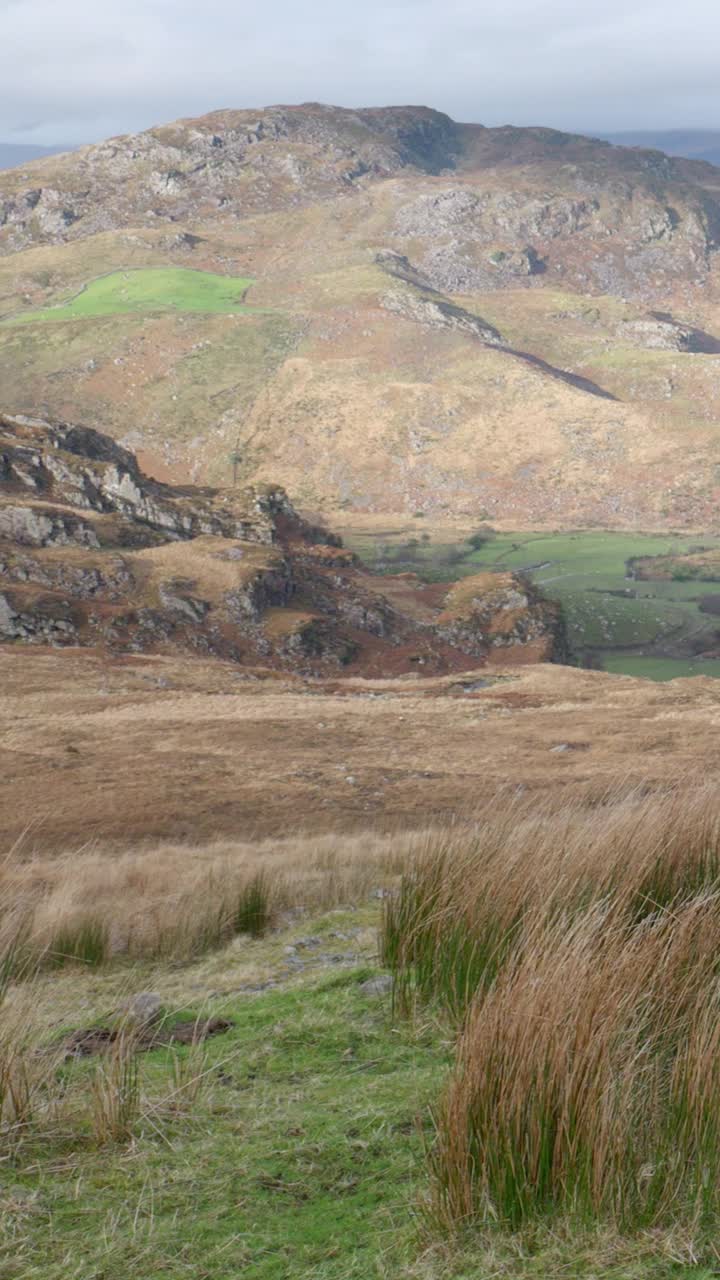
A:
[134,749]
[578,947]
[177,901]
[465,906]
[588,1077]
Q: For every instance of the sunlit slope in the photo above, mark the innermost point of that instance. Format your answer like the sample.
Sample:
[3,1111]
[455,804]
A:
[506,325]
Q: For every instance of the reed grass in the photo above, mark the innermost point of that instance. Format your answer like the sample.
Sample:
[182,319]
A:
[464,906]
[175,902]
[587,1080]
[115,1095]
[577,950]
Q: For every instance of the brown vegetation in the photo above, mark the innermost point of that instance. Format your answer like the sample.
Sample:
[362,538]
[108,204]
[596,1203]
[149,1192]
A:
[121,750]
[510,320]
[576,945]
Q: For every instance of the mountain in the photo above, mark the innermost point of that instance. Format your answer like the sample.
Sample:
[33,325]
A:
[694,144]
[381,310]
[15,153]
[93,552]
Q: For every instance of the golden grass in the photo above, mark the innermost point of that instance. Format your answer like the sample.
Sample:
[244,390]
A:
[206,562]
[91,905]
[587,1078]
[578,948]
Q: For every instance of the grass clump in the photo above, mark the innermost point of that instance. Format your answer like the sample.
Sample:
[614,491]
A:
[464,908]
[253,908]
[116,1091]
[577,950]
[588,1077]
[85,941]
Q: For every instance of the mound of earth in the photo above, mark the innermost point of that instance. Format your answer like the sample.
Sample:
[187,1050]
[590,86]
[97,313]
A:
[94,552]
[514,324]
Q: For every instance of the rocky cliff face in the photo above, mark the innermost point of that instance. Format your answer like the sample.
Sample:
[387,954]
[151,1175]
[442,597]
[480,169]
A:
[93,552]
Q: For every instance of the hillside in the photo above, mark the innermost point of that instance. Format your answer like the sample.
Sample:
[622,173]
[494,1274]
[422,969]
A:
[94,553]
[520,325]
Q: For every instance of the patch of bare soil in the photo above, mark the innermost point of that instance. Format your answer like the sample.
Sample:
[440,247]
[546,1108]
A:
[94,1040]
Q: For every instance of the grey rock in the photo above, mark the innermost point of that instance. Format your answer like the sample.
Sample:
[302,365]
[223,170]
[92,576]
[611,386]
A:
[382,985]
[142,1009]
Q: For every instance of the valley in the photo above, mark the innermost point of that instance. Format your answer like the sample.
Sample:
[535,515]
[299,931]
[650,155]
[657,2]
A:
[659,626]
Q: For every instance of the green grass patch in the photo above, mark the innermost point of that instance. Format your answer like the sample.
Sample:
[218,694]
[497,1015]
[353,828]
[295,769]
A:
[301,1158]
[146,289]
[647,668]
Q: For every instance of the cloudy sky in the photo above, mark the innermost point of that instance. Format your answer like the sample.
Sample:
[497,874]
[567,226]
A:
[79,70]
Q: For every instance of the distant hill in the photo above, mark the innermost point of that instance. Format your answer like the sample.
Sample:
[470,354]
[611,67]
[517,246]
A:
[694,144]
[507,325]
[14,153]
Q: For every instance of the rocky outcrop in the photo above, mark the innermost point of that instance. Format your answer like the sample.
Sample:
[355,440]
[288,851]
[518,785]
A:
[93,552]
[274,156]
[490,612]
[627,211]
[83,469]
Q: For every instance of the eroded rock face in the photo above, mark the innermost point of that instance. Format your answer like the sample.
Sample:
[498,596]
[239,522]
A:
[491,612]
[84,469]
[42,526]
[94,552]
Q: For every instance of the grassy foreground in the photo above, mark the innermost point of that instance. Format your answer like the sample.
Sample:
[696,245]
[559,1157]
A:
[300,1155]
[146,289]
[299,1158]
[535,1096]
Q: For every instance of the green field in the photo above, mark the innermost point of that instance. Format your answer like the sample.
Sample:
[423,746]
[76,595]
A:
[146,289]
[651,629]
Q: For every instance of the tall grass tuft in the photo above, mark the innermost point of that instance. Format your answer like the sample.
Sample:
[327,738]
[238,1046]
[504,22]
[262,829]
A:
[252,912]
[85,941]
[587,1079]
[463,909]
[116,1091]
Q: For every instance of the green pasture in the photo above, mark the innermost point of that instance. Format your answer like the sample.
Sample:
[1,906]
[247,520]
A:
[146,289]
[653,629]
[629,664]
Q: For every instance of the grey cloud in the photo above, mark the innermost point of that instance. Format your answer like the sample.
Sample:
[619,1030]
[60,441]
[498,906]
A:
[83,71]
